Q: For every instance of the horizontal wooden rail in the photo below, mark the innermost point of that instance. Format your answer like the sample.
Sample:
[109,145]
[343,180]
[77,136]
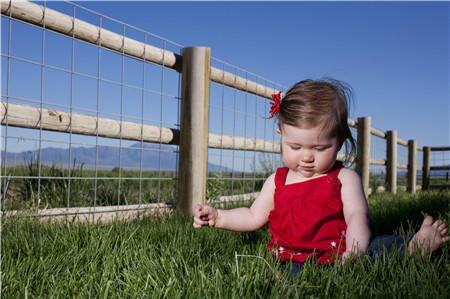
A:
[439,148]
[240,143]
[378,133]
[439,167]
[103,214]
[402,166]
[228,79]
[351,123]
[25,116]
[427,167]
[402,142]
[399,165]
[377,161]
[35,14]
[383,135]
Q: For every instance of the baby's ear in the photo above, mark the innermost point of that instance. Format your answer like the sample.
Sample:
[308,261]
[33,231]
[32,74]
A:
[278,131]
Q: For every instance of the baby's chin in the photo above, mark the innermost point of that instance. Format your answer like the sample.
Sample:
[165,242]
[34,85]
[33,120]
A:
[308,174]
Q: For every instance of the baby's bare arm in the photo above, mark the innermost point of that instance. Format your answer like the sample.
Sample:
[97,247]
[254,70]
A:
[239,219]
[356,212]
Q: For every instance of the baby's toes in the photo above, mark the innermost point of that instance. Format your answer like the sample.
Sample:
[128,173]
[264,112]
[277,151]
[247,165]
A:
[442,228]
[438,223]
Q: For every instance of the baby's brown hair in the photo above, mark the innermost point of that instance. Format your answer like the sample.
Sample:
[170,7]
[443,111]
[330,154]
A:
[325,103]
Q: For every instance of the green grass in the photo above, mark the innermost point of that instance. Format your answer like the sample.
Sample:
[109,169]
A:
[134,188]
[168,258]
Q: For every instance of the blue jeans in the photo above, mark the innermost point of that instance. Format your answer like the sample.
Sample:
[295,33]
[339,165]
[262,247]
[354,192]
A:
[386,244]
[381,246]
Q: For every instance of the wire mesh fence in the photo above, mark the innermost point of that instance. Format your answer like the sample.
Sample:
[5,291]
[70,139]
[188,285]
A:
[56,73]
[92,121]
[377,171]
[440,159]
[402,158]
[241,114]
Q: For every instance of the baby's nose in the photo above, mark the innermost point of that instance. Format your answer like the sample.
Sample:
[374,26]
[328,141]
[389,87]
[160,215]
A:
[307,156]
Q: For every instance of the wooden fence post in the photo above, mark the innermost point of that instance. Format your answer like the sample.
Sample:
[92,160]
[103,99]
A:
[412,166]
[426,168]
[363,152]
[391,163]
[193,129]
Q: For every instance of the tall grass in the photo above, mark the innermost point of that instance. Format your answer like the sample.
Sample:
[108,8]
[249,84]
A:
[167,258]
[86,186]
[104,188]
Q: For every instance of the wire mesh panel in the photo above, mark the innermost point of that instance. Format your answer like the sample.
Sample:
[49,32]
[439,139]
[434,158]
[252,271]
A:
[419,174]
[98,102]
[244,115]
[402,159]
[90,112]
[378,167]
[440,159]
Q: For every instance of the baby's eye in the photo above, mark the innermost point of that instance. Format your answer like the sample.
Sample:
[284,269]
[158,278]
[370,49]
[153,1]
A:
[295,147]
[320,149]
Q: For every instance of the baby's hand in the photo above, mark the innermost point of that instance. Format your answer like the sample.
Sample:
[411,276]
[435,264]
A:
[348,255]
[205,216]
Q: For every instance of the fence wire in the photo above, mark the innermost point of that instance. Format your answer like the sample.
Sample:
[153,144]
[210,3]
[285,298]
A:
[240,114]
[377,171]
[440,177]
[44,71]
[47,70]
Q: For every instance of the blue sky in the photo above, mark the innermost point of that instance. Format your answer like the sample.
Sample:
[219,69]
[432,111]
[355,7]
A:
[394,54]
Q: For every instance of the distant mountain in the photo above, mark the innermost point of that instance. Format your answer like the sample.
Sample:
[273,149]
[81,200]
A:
[154,156]
[435,173]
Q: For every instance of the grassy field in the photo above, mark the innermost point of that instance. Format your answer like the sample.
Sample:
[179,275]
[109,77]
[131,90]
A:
[168,258]
[106,188]
[87,188]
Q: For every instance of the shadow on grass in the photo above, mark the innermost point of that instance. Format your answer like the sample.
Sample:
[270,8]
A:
[389,212]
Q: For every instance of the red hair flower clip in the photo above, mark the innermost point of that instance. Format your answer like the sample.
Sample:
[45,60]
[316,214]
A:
[275,108]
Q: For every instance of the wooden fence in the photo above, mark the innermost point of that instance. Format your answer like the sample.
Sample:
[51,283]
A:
[427,168]
[193,137]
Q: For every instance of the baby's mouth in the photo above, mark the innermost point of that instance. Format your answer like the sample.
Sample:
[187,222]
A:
[307,168]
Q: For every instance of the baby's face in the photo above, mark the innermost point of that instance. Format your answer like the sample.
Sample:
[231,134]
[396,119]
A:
[307,152]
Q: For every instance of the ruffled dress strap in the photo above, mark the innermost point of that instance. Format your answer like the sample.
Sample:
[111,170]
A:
[334,171]
[280,176]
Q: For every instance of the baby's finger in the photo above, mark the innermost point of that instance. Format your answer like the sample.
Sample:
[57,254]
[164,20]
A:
[198,223]
[198,209]
[203,210]
[200,212]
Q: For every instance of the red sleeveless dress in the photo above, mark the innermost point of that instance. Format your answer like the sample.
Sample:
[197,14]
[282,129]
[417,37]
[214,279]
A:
[307,221]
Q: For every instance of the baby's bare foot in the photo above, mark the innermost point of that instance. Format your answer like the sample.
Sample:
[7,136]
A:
[429,237]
